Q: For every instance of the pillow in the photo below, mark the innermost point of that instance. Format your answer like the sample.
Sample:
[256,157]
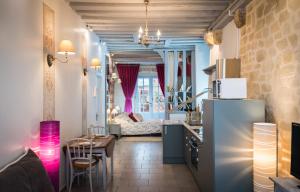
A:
[123,117]
[132,117]
[138,117]
[26,175]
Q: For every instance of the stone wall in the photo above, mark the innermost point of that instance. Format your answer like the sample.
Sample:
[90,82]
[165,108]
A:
[270,54]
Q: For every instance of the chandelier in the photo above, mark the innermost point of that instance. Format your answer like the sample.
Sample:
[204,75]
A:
[144,37]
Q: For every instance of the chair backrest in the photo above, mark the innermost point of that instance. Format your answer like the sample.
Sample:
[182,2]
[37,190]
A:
[79,148]
[96,130]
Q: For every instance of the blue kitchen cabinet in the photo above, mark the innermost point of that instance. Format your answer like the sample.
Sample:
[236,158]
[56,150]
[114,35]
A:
[173,144]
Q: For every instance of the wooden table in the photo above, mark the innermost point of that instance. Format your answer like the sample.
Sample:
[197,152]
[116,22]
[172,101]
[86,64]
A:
[103,146]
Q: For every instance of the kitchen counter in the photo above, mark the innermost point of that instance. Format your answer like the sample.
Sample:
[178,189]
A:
[192,129]
[225,124]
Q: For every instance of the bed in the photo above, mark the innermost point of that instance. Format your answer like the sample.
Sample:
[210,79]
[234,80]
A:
[129,127]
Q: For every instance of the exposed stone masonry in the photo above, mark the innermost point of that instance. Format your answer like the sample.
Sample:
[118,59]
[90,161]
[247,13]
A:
[270,54]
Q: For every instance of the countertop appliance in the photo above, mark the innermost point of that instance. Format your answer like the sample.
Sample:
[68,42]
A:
[230,88]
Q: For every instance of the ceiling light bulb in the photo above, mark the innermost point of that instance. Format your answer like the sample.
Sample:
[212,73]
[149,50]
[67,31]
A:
[140,30]
[158,33]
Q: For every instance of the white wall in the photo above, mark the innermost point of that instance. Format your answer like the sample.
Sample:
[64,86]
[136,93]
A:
[21,76]
[119,97]
[96,82]
[202,61]
[230,44]
[101,85]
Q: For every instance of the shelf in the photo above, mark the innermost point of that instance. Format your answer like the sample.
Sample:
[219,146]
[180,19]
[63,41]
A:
[209,70]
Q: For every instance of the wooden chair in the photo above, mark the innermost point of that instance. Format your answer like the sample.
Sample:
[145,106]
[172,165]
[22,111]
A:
[81,160]
[93,131]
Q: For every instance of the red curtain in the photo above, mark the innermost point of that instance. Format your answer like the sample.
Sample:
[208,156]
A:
[128,75]
[161,76]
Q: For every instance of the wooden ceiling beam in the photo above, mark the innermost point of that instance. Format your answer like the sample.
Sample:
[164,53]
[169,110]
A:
[153,9]
[136,26]
[153,30]
[90,20]
[158,15]
[224,18]
[140,3]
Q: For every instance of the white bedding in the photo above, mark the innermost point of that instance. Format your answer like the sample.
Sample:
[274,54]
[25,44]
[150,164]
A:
[128,127]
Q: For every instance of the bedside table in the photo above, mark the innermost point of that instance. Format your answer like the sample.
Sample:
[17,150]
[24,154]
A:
[115,129]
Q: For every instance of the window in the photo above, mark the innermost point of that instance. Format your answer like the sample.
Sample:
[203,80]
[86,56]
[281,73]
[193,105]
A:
[148,96]
[158,103]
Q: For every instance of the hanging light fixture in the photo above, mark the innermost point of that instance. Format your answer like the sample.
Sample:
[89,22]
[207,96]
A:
[144,37]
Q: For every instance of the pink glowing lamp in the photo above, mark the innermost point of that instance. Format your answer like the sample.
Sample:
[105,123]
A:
[50,150]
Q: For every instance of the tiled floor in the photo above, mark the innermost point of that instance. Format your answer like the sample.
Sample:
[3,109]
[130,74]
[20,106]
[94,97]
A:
[139,168]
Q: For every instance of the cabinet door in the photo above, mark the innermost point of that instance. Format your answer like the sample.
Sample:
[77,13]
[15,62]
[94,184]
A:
[173,146]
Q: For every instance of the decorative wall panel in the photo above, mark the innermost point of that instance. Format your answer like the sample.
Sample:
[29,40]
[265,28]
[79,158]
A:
[49,72]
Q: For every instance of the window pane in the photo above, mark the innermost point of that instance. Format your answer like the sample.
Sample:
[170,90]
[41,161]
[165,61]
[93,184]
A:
[142,102]
[140,82]
[155,82]
[146,81]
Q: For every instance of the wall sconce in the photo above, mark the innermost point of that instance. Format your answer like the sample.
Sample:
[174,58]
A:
[65,48]
[95,64]
[264,156]
[50,150]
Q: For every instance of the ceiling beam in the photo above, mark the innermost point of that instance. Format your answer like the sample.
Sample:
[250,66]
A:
[167,25]
[140,3]
[158,15]
[116,22]
[224,18]
[104,19]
